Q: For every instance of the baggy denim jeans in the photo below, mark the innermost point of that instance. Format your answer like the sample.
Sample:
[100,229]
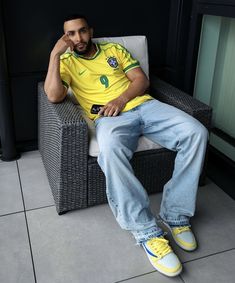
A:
[171,128]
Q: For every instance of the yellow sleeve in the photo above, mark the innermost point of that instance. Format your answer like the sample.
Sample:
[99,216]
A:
[64,74]
[127,61]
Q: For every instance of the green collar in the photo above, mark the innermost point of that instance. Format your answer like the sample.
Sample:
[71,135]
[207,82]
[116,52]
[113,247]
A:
[89,58]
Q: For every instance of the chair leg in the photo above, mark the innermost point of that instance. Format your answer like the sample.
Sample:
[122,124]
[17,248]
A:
[63,212]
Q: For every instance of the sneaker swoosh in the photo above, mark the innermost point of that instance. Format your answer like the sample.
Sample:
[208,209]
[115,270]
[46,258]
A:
[149,252]
[80,73]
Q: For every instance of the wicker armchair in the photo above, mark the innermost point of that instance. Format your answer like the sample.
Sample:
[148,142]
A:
[75,178]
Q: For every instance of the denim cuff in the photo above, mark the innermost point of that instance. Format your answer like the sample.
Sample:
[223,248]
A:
[181,221]
[142,236]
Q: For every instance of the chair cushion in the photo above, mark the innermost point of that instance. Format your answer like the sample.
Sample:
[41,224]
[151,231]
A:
[136,44]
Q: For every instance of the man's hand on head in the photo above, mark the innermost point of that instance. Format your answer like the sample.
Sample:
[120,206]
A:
[113,107]
[62,45]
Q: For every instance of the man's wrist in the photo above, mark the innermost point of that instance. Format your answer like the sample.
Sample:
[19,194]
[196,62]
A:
[55,55]
[124,99]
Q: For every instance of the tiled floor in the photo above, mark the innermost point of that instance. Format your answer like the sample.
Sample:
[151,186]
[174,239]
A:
[87,246]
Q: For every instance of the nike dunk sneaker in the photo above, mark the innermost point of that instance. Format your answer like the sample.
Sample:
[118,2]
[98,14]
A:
[183,236]
[162,257]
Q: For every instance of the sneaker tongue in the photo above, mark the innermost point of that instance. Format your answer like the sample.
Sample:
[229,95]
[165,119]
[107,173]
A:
[160,246]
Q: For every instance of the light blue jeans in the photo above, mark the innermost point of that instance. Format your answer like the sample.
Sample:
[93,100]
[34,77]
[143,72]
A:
[171,128]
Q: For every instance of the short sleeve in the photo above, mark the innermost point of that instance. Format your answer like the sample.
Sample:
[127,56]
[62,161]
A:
[127,61]
[64,74]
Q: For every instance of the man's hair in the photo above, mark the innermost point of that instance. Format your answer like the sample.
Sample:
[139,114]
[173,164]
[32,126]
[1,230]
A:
[74,17]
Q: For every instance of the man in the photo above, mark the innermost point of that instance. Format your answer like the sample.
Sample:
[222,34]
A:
[106,74]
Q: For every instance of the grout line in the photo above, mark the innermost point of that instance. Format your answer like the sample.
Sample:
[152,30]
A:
[20,211]
[210,255]
[127,279]
[41,207]
[155,271]
[27,227]
[26,210]
[180,276]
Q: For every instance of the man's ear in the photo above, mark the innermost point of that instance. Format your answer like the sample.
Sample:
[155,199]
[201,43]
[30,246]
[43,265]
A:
[91,32]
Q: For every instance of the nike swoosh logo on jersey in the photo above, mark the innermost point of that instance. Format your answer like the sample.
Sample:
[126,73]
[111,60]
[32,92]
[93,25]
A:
[80,73]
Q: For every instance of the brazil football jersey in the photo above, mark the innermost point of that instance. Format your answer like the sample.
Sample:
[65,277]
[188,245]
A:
[101,78]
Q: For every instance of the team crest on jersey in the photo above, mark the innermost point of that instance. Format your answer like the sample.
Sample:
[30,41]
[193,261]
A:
[112,62]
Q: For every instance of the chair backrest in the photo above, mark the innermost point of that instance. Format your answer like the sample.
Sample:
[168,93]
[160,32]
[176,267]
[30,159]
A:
[136,44]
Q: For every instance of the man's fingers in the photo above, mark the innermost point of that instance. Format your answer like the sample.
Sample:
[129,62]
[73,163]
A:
[65,36]
[68,41]
[101,111]
[71,45]
[106,112]
[116,112]
[111,112]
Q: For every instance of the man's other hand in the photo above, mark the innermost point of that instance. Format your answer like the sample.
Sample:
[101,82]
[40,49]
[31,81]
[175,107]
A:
[113,107]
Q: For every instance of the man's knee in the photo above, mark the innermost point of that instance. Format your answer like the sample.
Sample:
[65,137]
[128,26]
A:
[114,146]
[199,131]
[202,132]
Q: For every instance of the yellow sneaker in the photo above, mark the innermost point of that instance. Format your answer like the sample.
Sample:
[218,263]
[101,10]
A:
[162,256]
[183,236]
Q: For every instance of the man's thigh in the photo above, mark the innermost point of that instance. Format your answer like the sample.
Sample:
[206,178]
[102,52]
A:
[165,124]
[122,131]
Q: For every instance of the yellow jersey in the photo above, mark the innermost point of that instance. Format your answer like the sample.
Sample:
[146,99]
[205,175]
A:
[101,78]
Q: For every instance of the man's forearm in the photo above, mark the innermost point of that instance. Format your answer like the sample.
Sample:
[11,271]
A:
[53,84]
[136,88]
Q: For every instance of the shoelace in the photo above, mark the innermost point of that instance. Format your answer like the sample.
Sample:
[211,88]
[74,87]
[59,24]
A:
[159,246]
[178,230]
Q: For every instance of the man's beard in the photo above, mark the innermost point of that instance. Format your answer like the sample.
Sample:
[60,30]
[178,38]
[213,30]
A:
[86,50]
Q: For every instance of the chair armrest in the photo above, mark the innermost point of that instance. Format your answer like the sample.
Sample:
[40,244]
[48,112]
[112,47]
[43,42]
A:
[175,97]
[63,144]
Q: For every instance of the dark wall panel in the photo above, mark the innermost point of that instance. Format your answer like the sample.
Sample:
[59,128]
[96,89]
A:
[24,93]
[179,23]
[32,31]
[32,28]
[220,2]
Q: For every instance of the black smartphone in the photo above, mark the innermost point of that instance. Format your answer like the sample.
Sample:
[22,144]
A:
[95,108]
